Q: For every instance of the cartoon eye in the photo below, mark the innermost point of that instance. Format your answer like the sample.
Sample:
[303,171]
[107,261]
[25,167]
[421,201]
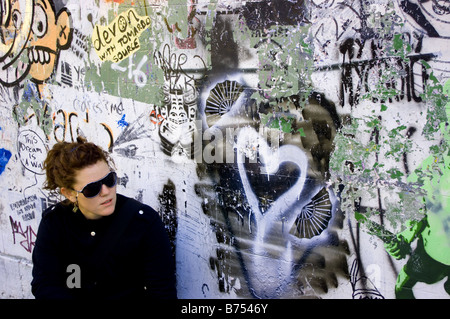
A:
[39,22]
[17,19]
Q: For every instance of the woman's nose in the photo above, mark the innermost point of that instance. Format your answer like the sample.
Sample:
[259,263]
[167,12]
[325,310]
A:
[105,190]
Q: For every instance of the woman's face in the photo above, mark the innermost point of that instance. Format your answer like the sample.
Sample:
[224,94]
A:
[105,202]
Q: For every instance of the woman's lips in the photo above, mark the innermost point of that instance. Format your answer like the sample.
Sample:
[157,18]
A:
[106,203]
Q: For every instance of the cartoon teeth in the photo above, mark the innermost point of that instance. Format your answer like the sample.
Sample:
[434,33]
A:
[38,55]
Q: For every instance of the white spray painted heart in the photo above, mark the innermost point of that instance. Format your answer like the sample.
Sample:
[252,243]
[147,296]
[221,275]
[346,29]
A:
[249,141]
[269,276]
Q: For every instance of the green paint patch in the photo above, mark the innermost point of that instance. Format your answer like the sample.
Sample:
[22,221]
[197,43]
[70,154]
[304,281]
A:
[283,72]
[302,132]
[283,123]
[135,77]
[358,168]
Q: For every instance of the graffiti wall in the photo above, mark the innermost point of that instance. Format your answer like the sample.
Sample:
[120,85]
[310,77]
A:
[293,149]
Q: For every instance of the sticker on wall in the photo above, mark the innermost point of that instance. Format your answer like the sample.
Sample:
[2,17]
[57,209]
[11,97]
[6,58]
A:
[32,151]
[120,38]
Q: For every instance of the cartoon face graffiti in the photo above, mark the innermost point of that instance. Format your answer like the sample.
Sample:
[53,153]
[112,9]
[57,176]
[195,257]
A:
[177,128]
[33,33]
[49,34]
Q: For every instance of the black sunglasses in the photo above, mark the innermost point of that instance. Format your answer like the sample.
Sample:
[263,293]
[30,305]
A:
[94,188]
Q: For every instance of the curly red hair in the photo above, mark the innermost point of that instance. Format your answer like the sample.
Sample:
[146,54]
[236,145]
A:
[65,159]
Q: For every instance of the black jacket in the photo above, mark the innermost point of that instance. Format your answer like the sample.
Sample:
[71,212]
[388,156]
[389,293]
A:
[138,265]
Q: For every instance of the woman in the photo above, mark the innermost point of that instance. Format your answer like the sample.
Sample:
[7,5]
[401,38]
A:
[96,243]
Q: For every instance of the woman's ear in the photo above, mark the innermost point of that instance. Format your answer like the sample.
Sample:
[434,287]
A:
[69,194]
